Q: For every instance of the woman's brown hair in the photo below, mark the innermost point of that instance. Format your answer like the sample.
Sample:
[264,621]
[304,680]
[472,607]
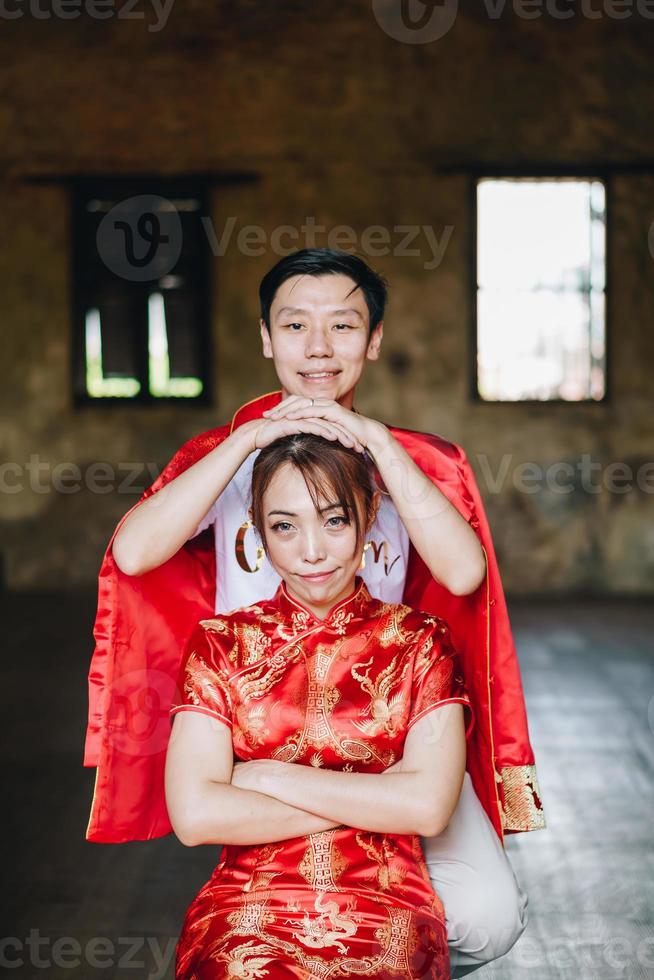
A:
[331,471]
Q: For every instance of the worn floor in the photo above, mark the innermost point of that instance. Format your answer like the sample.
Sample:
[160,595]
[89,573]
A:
[81,910]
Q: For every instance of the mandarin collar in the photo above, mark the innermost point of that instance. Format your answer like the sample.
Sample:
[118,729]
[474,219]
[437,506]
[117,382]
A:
[255,408]
[354,603]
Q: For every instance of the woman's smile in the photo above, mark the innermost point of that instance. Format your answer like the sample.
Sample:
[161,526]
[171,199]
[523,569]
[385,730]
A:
[317,576]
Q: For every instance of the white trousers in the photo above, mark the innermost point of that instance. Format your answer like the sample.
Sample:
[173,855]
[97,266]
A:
[485,908]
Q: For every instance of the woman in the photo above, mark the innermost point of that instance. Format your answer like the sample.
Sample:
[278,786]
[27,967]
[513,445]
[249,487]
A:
[326,694]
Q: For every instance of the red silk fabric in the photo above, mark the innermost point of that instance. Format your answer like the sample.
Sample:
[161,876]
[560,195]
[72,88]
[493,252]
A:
[342,694]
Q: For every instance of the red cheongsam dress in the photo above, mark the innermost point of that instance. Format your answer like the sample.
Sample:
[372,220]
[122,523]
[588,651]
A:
[340,693]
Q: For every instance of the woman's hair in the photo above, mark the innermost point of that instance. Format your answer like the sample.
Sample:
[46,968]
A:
[331,471]
[324,262]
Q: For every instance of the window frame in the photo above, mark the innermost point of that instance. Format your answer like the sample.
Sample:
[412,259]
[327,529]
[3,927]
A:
[536,173]
[122,187]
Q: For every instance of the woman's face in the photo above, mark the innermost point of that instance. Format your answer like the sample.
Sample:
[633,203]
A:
[315,553]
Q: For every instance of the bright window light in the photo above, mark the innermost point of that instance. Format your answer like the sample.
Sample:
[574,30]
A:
[541,304]
[161,384]
[97,385]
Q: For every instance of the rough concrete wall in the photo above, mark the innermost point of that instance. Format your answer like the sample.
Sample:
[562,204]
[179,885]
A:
[346,125]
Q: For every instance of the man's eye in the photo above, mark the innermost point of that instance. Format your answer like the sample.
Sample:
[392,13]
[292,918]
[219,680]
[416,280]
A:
[343,326]
[292,326]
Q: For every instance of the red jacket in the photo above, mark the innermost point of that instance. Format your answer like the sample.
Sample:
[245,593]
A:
[143,623]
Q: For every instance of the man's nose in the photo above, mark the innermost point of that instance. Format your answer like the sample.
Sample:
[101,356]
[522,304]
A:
[318,343]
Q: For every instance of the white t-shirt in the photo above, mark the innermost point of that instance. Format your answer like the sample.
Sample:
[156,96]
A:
[243,573]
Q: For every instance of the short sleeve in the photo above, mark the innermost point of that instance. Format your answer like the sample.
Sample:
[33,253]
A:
[437,675]
[203,682]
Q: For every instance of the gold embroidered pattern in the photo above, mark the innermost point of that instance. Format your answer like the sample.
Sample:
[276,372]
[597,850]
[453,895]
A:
[340,621]
[382,851]
[253,728]
[300,622]
[255,643]
[206,687]
[331,926]
[521,804]
[250,919]
[249,960]
[320,700]
[394,936]
[390,631]
[387,713]
[218,625]
[322,864]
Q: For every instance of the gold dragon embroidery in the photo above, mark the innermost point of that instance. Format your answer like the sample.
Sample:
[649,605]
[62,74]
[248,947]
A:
[382,853]
[316,932]
[387,714]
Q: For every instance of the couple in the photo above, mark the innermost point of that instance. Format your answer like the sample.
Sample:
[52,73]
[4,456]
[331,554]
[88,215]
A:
[429,546]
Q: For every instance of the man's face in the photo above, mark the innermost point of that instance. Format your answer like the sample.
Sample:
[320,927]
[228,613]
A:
[319,337]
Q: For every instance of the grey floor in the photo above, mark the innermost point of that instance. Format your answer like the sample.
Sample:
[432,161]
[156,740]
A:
[81,910]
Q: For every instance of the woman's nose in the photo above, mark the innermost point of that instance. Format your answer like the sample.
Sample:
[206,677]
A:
[313,549]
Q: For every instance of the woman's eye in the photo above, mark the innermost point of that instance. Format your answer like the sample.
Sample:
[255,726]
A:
[340,521]
[281,526]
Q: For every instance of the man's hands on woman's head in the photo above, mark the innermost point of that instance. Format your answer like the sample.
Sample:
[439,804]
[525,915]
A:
[264,431]
[365,431]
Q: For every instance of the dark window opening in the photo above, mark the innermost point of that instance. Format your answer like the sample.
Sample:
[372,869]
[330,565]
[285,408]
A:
[141,288]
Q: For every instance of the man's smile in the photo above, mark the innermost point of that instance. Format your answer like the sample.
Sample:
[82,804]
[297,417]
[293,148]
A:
[319,375]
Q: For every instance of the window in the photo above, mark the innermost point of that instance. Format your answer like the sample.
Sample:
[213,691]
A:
[541,289]
[140,291]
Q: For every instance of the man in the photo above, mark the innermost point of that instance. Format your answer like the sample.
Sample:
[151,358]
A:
[321,321]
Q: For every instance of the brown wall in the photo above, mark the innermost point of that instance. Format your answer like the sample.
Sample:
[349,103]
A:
[347,125]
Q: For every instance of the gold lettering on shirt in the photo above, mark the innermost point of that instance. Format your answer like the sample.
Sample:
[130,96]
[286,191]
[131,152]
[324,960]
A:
[239,549]
[377,550]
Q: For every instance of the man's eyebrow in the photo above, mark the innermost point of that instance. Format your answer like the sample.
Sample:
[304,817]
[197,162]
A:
[290,309]
[349,309]
[293,310]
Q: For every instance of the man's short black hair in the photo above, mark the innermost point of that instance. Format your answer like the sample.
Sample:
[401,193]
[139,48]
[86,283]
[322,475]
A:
[325,262]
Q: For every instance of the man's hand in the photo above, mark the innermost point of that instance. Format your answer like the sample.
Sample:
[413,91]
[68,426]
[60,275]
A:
[367,432]
[264,431]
